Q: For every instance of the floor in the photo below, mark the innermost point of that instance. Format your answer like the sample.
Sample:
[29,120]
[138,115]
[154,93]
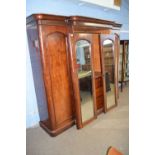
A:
[111,129]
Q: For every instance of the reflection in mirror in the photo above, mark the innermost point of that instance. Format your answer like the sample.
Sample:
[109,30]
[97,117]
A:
[109,72]
[83,57]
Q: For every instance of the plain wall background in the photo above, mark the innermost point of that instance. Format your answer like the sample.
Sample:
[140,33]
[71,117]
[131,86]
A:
[66,7]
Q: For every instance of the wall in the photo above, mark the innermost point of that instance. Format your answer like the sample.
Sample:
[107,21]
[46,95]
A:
[66,7]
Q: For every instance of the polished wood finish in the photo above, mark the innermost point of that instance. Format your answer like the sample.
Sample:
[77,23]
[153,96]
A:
[98,82]
[77,37]
[99,99]
[96,48]
[52,41]
[113,151]
[117,51]
[47,17]
[72,44]
[59,76]
[117,2]
[55,63]
[99,91]
[92,22]
[46,126]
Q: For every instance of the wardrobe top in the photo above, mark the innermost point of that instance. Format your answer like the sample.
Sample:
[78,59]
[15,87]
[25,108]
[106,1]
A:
[74,20]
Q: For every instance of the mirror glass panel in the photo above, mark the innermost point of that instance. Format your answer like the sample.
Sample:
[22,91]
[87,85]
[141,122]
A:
[83,58]
[108,56]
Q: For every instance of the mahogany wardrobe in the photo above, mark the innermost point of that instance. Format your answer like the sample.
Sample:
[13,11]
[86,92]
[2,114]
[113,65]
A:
[75,68]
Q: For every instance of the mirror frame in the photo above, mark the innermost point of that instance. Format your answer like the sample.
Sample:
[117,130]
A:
[74,39]
[91,69]
[117,49]
[102,39]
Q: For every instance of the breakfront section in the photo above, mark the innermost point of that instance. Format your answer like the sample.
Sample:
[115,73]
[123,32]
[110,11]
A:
[52,52]
[74,63]
[94,76]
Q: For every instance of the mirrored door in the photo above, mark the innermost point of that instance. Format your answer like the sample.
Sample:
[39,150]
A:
[109,69]
[81,54]
[84,72]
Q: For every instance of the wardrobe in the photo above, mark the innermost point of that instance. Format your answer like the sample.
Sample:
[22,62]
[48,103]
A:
[75,68]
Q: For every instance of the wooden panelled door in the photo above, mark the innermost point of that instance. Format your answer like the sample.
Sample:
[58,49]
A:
[83,77]
[109,61]
[57,75]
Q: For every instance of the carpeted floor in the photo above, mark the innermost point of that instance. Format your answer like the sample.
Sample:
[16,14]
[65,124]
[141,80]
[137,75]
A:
[111,129]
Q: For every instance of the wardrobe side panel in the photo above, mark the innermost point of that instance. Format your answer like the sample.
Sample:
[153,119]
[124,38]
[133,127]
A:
[35,58]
